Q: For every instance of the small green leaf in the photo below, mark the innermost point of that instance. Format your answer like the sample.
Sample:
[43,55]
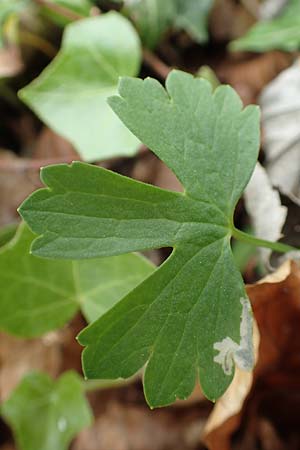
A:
[281,33]
[39,295]
[153,18]
[70,95]
[190,309]
[192,17]
[46,414]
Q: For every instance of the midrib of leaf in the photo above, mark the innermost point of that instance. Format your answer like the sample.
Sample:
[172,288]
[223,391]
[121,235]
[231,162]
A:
[104,64]
[89,195]
[188,314]
[217,304]
[158,298]
[213,225]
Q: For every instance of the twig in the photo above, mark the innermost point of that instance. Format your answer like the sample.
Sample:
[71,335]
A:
[156,64]
[61,10]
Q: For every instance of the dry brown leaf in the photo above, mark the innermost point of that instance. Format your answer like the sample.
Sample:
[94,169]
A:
[249,76]
[53,353]
[276,305]
[18,357]
[50,145]
[124,426]
[16,183]
[20,176]
[10,61]
[230,20]
[264,207]
[165,178]
[280,121]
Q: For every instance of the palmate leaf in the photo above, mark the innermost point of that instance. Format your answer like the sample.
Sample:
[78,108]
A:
[70,95]
[46,414]
[185,319]
[42,295]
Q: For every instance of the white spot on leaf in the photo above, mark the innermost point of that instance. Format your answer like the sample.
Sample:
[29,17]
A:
[241,354]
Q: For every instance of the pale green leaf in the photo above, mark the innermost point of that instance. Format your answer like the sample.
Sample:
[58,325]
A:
[185,319]
[281,33]
[39,295]
[70,95]
[46,414]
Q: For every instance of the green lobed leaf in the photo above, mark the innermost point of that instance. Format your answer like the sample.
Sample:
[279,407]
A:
[39,295]
[185,319]
[46,414]
[281,33]
[70,95]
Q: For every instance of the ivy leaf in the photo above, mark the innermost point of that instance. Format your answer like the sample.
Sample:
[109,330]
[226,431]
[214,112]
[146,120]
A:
[192,17]
[70,95]
[185,319]
[42,295]
[153,18]
[281,33]
[46,414]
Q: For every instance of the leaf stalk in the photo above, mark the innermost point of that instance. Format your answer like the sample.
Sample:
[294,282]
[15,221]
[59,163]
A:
[276,246]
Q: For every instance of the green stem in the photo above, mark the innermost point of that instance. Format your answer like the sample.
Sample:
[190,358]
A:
[58,9]
[276,246]
[95,385]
